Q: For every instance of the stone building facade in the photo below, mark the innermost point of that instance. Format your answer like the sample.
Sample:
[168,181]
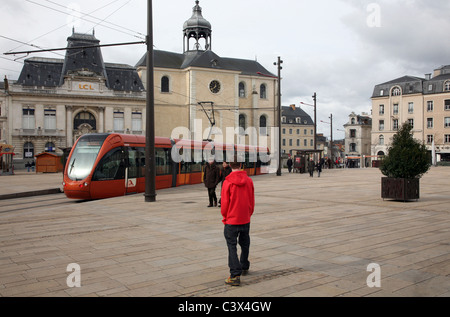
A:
[422,102]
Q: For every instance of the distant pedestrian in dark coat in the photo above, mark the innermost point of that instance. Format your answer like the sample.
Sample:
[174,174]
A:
[226,170]
[311,166]
[319,168]
[289,164]
[211,177]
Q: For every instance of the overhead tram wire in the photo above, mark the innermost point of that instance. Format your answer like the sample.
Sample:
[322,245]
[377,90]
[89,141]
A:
[119,29]
[60,27]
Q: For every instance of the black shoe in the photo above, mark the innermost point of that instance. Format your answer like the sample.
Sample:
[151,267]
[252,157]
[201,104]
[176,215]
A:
[210,206]
[244,272]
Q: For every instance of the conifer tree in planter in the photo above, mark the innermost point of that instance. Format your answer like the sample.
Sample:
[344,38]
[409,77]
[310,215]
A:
[406,162]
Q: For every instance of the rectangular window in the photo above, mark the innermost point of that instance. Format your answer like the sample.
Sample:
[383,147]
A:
[298,142]
[284,142]
[381,109]
[305,142]
[447,105]
[395,124]
[429,138]
[447,138]
[28,121]
[430,106]
[50,119]
[411,107]
[447,122]
[353,133]
[290,131]
[395,109]
[411,122]
[118,121]
[136,121]
[430,123]
[381,125]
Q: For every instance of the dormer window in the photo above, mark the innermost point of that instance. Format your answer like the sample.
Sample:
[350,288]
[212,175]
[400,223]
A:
[396,91]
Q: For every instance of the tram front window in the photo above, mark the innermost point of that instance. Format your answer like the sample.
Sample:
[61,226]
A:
[84,156]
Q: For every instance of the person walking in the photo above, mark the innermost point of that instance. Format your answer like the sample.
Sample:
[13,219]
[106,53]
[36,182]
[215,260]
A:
[289,164]
[311,166]
[238,204]
[211,178]
[226,170]
[319,168]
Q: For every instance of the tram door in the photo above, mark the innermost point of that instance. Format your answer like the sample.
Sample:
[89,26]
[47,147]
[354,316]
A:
[132,181]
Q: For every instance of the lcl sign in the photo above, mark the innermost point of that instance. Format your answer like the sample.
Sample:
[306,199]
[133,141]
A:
[85,87]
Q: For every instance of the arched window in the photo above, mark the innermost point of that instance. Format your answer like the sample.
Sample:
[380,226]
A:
[242,90]
[85,117]
[396,91]
[28,150]
[447,86]
[381,140]
[50,147]
[242,124]
[262,91]
[263,125]
[165,87]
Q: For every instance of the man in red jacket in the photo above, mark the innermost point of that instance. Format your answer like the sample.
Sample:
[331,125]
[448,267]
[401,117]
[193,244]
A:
[238,203]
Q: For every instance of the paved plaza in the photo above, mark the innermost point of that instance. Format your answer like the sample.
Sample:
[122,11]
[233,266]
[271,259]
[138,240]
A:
[310,237]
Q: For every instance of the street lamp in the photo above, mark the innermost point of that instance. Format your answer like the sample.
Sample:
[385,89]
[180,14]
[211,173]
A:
[331,141]
[278,63]
[315,118]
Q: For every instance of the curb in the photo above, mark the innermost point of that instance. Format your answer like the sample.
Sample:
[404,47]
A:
[32,193]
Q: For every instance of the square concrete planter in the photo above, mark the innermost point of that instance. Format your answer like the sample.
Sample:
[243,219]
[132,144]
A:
[402,189]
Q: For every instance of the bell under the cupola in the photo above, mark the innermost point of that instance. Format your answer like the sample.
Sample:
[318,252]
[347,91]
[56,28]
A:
[197,28]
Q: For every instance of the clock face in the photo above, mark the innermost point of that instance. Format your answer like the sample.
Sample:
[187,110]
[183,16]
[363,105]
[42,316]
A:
[214,86]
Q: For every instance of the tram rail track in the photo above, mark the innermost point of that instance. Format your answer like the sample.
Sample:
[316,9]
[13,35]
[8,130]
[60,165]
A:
[35,202]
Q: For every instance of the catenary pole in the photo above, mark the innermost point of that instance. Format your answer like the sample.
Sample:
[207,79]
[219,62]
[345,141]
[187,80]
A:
[150,171]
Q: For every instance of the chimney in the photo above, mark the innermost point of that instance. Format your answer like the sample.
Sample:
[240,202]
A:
[293,107]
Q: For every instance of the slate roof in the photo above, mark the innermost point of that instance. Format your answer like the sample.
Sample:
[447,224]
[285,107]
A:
[205,59]
[50,72]
[415,85]
[290,113]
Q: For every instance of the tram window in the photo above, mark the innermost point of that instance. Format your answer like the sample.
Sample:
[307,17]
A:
[111,166]
[163,166]
[133,163]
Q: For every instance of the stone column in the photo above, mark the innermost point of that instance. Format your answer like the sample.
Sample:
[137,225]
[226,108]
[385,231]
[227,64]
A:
[69,126]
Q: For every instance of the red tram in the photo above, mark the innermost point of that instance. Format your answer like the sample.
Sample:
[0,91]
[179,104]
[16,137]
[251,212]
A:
[110,165]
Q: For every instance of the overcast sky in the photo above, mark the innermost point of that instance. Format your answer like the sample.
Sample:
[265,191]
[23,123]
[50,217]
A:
[339,49]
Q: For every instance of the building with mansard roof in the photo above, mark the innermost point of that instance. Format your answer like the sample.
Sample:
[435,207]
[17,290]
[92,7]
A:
[54,101]
[424,103]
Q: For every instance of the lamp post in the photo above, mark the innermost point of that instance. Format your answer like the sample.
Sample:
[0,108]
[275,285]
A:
[278,63]
[315,118]
[331,140]
[150,168]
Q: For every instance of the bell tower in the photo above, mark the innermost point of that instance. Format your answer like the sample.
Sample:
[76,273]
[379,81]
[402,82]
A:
[197,28]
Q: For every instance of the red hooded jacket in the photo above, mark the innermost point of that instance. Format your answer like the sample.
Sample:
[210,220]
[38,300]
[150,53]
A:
[237,199]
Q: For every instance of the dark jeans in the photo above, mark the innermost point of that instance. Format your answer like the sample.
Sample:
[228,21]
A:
[235,234]
[212,195]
